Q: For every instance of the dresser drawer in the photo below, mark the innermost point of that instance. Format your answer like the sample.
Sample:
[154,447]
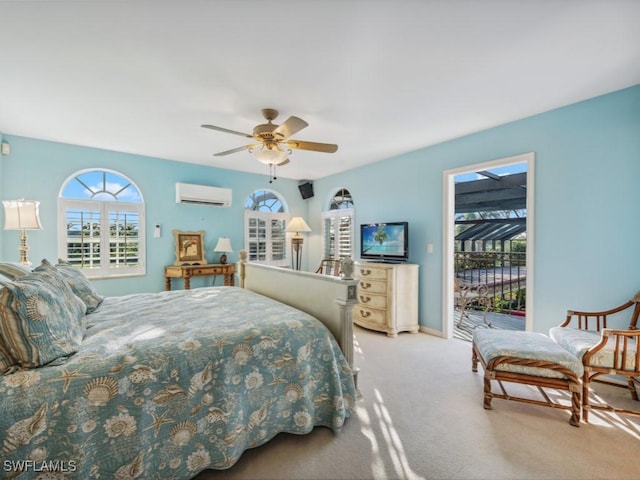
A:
[371,273]
[367,299]
[207,271]
[373,286]
[370,315]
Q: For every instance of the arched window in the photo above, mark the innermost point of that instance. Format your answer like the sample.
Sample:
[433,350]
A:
[337,226]
[265,228]
[264,201]
[341,200]
[101,227]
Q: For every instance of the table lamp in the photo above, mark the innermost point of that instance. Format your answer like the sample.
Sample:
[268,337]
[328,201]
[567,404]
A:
[223,245]
[22,215]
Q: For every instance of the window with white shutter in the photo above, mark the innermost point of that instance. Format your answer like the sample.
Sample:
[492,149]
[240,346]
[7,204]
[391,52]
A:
[265,227]
[101,228]
[338,226]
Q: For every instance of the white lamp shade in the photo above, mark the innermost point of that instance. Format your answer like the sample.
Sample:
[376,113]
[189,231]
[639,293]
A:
[223,245]
[297,224]
[269,154]
[21,215]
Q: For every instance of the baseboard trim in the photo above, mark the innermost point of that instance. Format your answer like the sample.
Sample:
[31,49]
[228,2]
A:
[431,331]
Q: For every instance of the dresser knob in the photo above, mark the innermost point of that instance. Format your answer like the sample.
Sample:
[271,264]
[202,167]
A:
[364,299]
[365,271]
[365,285]
[364,313]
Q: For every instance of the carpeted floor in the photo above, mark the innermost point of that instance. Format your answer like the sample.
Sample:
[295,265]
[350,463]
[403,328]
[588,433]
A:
[421,417]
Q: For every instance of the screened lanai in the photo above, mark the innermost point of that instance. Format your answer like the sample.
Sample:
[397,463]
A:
[490,240]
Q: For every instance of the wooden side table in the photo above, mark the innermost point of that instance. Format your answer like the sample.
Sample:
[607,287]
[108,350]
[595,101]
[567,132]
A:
[186,272]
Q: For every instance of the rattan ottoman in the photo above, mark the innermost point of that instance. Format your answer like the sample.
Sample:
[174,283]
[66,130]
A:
[531,359]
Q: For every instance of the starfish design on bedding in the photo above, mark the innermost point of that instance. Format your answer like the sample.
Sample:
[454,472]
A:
[277,380]
[67,376]
[221,343]
[158,421]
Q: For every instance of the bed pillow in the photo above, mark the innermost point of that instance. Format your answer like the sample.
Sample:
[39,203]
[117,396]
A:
[41,318]
[13,270]
[80,285]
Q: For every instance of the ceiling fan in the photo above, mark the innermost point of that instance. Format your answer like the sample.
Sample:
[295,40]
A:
[273,145]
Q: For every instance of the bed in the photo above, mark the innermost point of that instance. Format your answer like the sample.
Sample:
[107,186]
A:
[165,385]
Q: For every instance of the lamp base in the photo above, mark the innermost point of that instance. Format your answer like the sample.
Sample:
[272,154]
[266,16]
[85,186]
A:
[223,259]
[296,253]
[24,249]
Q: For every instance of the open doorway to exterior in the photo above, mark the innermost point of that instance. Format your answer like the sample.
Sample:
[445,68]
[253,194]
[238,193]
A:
[488,239]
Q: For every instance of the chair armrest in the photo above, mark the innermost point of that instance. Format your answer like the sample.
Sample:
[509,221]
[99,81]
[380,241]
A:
[584,319]
[625,346]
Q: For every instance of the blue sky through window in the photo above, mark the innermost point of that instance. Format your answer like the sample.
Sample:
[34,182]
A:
[101,185]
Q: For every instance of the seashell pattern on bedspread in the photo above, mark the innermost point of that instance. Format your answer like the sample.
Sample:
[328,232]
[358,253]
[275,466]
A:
[168,384]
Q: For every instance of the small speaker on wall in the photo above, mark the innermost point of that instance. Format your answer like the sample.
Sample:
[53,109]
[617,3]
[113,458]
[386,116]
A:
[306,190]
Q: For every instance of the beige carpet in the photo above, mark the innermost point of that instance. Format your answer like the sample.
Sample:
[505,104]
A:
[421,417]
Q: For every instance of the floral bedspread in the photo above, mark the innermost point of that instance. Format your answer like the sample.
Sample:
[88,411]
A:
[169,384]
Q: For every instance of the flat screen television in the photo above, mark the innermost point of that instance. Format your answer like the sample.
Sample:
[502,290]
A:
[385,242]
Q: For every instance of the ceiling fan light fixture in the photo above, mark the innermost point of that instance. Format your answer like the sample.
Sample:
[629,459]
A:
[270,153]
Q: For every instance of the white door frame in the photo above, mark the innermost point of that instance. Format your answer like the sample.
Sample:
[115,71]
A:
[448,231]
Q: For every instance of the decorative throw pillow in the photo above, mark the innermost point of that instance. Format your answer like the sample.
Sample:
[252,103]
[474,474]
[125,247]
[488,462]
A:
[42,319]
[13,270]
[7,363]
[80,285]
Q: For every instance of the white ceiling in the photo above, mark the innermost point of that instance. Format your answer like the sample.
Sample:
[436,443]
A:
[379,78]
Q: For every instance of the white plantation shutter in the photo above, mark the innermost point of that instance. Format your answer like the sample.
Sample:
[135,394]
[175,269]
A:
[337,233]
[345,236]
[265,238]
[102,238]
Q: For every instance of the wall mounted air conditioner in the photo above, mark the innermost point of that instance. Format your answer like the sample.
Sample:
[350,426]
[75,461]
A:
[203,195]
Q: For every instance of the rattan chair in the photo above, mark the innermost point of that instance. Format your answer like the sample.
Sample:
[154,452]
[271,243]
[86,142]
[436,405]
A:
[330,266]
[604,351]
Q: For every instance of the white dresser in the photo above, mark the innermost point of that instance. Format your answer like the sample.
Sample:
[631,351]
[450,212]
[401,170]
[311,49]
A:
[387,297]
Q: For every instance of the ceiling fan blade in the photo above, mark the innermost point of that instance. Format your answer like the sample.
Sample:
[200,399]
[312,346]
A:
[288,128]
[226,130]
[234,150]
[314,146]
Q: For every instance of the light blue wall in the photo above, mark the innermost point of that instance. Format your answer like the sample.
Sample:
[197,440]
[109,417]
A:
[587,176]
[37,169]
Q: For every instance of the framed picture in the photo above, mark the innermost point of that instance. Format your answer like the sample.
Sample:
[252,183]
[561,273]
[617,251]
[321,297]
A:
[189,248]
